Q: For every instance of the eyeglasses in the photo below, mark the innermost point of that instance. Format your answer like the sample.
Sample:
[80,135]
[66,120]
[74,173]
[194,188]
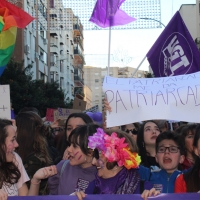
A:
[171,149]
[133,131]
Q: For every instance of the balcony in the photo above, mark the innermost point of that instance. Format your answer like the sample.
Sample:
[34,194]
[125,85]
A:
[78,41]
[54,49]
[78,80]
[78,31]
[79,93]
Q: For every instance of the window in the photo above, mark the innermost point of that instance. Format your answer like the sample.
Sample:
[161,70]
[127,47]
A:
[96,80]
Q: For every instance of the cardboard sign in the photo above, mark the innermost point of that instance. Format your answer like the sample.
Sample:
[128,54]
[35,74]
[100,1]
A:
[5,112]
[50,114]
[79,104]
[139,99]
[63,113]
[92,109]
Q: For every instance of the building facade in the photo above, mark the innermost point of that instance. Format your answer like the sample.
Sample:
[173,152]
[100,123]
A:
[94,77]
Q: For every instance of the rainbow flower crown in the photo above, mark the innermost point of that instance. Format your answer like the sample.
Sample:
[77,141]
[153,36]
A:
[114,149]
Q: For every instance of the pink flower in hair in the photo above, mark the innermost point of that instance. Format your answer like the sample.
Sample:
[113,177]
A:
[97,140]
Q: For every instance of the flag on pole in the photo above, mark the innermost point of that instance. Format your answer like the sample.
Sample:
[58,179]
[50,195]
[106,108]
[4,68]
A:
[174,52]
[107,13]
[11,17]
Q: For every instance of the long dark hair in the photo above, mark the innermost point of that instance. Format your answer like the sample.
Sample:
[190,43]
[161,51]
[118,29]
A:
[64,140]
[141,145]
[9,172]
[79,136]
[30,137]
[192,178]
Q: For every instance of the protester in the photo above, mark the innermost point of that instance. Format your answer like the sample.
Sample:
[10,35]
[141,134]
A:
[13,175]
[131,129]
[74,120]
[163,125]
[169,154]
[189,181]
[146,141]
[33,148]
[117,161]
[76,173]
[187,134]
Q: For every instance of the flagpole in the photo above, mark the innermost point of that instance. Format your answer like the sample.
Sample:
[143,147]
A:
[109,44]
[139,66]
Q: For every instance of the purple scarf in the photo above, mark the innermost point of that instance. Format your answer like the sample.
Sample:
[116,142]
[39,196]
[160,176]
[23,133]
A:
[125,182]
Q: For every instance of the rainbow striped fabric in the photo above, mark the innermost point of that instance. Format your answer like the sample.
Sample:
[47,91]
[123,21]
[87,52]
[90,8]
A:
[11,18]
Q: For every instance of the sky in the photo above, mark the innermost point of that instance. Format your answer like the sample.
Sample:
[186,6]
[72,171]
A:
[134,44]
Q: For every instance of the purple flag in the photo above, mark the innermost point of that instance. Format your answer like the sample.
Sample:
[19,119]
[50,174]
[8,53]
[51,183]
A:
[174,52]
[106,13]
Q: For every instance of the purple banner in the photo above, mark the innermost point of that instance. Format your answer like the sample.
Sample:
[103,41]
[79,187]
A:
[174,52]
[185,196]
[106,13]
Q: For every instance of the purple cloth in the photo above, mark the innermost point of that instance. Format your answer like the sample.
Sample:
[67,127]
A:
[106,13]
[174,52]
[125,182]
[72,178]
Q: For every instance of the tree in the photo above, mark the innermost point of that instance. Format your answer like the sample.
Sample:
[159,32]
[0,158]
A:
[26,92]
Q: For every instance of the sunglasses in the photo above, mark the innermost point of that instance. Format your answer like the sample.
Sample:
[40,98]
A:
[96,154]
[133,131]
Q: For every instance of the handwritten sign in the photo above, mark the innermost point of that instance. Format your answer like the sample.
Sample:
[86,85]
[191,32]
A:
[63,113]
[92,109]
[5,111]
[171,98]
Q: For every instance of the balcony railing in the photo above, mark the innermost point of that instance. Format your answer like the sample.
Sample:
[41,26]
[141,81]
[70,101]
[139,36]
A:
[78,78]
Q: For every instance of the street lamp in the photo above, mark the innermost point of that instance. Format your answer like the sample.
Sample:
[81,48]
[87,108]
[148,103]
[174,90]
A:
[146,18]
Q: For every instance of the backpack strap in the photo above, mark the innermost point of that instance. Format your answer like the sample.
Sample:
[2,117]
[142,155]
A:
[63,167]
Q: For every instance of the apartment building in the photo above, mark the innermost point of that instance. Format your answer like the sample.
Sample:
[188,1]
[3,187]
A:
[94,76]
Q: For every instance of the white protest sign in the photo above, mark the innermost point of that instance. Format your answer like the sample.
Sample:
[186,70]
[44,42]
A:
[134,100]
[5,112]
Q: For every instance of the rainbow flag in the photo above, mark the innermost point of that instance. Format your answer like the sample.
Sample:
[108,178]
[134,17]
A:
[11,18]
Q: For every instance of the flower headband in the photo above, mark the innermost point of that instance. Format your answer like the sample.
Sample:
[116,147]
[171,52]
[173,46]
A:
[114,149]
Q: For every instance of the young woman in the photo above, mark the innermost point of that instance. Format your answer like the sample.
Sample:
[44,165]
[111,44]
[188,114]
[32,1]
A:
[187,135]
[117,162]
[189,181]
[76,172]
[33,148]
[74,120]
[13,175]
[131,129]
[146,141]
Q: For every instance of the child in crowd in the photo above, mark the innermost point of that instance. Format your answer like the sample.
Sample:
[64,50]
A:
[169,154]
[189,181]
[77,172]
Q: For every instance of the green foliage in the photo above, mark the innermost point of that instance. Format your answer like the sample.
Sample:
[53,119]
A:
[149,75]
[26,92]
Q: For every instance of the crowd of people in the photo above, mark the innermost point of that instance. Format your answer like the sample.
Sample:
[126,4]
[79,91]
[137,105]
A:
[83,157]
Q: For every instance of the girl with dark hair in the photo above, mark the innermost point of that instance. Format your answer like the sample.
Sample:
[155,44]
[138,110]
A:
[187,134]
[33,148]
[146,141]
[74,120]
[189,181]
[75,173]
[13,175]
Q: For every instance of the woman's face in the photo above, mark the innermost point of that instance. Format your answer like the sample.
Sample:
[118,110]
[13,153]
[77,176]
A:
[10,143]
[131,130]
[73,123]
[77,157]
[100,164]
[151,132]
[189,142]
